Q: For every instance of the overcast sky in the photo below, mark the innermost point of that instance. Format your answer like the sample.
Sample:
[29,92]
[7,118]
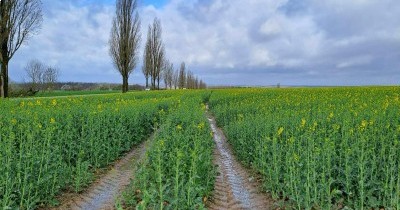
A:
[235,42]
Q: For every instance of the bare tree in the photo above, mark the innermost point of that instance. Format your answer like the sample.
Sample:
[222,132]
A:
[182,76]
[154,53]
[196,82]
[147,63]
[168,74]
[50,77]
[19,20]
[175,79]
[159,66]
[41,77]
[202,84]
[125,38]
[34,74]
[190,80]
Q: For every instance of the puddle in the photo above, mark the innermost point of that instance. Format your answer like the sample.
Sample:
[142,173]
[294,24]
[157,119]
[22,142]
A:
[103,197]
[234,188]
[240,193]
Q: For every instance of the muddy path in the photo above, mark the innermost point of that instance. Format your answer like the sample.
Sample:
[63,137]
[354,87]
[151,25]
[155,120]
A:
[235,188]
[103,193]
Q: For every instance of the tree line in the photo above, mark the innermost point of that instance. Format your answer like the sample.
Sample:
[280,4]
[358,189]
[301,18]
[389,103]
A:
[124,45]
[180,79]
[40,76]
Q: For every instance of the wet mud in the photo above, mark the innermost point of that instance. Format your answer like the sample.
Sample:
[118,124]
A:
[103,193]
[235,188]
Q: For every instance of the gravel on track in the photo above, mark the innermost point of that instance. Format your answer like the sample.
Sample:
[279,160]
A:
[234,187]
[103,193]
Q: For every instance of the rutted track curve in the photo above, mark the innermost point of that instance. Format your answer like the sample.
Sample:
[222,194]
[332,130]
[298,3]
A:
[234,187]
[102,194]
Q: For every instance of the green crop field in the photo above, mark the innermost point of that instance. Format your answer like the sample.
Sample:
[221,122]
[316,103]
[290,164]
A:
[319,148]
[74,93]
[314,148]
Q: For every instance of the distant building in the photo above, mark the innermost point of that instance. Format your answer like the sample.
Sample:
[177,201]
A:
[66,87]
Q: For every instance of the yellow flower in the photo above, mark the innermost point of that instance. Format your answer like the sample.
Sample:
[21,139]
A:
[291,140]
[303,122]
[280,130]
[315,124]
[336,127]
[52,120]
[364,124]
[14,121]
[203,107]
[296,157]
[351,131]
[179,127]
[200,126]
[54,102]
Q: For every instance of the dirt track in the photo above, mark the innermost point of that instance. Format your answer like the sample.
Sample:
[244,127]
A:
[102,194]
[234,187]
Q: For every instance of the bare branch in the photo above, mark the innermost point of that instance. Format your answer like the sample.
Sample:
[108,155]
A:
[182,76]
[168,72]
[19,20]
[125,38]
[154,54]
[34,72]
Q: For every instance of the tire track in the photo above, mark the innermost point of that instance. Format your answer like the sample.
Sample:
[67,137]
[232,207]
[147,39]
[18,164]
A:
[234,187]
[102,194]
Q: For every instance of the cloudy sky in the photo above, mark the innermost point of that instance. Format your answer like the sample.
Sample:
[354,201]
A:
[235,42]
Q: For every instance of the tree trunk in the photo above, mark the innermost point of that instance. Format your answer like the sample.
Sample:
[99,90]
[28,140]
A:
[4,64]
[147,82]
[4,75]
[153,83]
[1,87]
[124,84]
[2,16]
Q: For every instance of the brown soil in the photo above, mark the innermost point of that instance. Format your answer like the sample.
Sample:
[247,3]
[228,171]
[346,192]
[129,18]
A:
[234,187]
[102,194]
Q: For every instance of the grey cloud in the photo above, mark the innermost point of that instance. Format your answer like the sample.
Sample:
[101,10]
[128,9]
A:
[342,18]
[74,38]
[255,42]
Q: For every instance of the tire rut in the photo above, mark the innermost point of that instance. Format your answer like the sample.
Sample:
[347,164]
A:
[234,187]
[102,194]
